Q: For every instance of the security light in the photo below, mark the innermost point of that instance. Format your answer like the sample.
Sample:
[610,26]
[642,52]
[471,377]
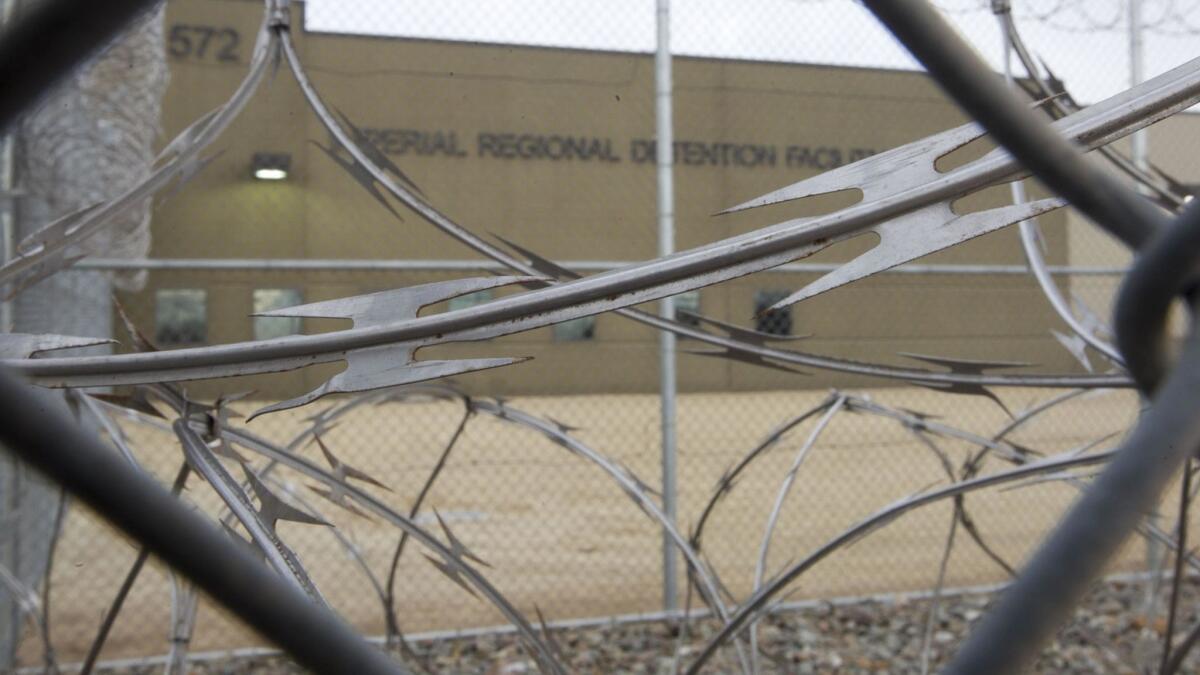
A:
[271,165]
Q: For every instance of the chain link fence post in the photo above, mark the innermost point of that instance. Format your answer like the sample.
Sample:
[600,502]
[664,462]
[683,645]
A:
[666,246]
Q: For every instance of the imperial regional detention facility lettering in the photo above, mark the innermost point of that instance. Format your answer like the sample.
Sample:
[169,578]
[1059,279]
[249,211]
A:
[557,147]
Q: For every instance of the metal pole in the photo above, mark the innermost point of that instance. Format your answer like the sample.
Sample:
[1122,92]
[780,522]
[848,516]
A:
[1139,153]
[7,185]
[50,40]
[999,8]
[38,429]
[1140,140]
[10,468]
[666,306]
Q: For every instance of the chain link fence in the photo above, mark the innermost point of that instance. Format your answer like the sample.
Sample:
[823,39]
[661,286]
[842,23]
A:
[535,123]
[560,537]
[1083,42]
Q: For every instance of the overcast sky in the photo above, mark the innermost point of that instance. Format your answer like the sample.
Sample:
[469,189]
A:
[1085,42]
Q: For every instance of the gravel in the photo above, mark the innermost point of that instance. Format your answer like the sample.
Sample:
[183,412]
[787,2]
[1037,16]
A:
[1110,633]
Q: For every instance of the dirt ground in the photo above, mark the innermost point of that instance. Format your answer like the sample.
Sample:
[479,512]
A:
[560,536]
[1108,633]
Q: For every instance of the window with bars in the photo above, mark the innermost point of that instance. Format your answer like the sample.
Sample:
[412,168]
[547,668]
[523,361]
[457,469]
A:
[268,299]
[687,307]
[180,316]
[576,330]
[778,322]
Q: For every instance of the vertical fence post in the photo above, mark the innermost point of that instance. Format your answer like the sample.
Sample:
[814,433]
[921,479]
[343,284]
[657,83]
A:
[10,470]
[666,307]
[7,186]
[1139,140]
[10,623]
[1139,153]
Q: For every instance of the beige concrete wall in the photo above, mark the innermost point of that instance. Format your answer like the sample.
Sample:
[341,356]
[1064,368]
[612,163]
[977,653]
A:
[808,118]
[1173,146]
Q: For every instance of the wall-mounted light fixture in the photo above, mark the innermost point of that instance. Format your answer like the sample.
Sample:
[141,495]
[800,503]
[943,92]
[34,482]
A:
[271,165]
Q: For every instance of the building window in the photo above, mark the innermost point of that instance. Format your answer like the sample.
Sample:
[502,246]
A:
[583,328]
[778,322]
[687,307]
[469,300]
[180,316]
[269,299]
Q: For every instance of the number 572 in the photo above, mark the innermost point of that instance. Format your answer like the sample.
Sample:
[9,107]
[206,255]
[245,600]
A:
[204,43]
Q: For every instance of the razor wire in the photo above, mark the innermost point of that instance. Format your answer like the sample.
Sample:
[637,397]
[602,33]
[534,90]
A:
[370,167]
[614,290]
